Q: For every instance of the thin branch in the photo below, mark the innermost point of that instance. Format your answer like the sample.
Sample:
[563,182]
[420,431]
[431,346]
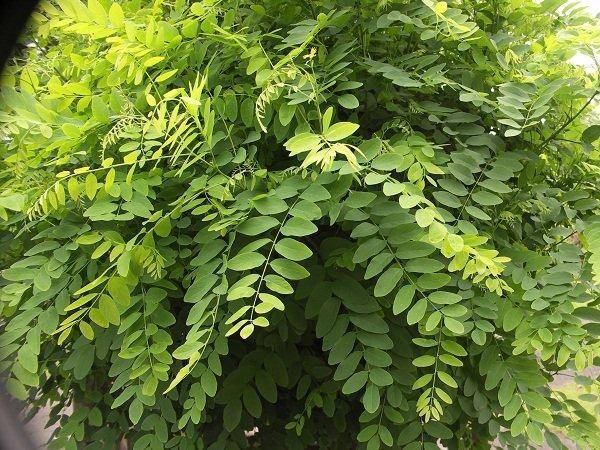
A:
[568,122]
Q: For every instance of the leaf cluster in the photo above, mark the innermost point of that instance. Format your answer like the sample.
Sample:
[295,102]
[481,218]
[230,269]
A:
[348,224]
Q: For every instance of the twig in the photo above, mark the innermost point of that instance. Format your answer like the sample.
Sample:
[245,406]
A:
[568,122]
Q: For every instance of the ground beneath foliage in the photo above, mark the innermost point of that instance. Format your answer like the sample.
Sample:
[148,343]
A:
[40,435]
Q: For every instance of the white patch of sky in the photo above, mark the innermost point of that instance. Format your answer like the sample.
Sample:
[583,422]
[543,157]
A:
[581,59]
[592,5]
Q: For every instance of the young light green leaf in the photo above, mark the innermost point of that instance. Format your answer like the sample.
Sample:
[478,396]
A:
[340,130]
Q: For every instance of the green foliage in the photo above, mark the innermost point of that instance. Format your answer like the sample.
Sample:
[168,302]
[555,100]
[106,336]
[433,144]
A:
[350,224]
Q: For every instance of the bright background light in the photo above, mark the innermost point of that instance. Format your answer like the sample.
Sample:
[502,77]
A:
[581,59]
[593,5]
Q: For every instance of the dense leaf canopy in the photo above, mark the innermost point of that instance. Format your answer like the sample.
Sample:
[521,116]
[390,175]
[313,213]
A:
[350,224]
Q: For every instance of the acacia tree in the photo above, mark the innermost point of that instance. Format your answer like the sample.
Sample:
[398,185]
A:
[351,224]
